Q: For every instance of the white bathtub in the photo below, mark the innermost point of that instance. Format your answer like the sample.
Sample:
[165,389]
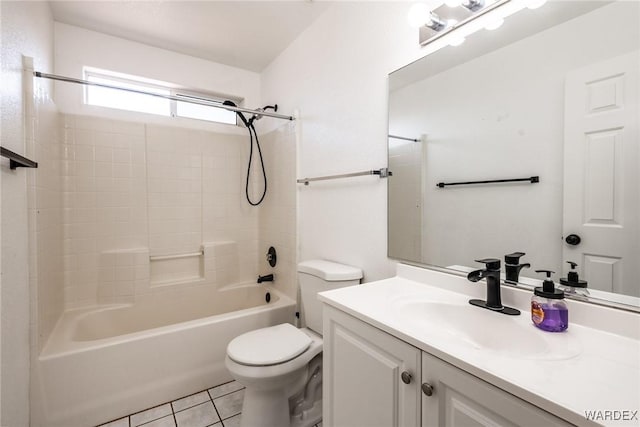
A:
[110,361]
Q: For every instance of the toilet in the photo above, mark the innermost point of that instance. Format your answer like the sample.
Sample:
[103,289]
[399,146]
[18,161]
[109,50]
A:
[281,366]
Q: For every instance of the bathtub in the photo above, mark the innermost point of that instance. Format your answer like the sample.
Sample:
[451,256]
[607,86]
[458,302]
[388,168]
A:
[109,361]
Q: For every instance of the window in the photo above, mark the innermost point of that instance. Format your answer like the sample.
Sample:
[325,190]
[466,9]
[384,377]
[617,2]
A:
[120,99]
[203,112]
[140,102]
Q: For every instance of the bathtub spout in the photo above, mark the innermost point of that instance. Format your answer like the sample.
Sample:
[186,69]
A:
[266,278]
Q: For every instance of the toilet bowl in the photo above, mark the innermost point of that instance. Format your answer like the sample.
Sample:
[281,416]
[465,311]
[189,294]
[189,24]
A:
[281,366]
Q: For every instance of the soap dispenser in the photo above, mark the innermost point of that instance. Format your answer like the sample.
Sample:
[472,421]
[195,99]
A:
[572,283]
[549,311]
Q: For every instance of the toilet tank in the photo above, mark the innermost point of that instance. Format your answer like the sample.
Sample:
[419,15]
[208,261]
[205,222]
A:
[318,276]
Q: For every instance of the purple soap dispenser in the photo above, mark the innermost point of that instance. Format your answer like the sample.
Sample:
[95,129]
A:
[549,311]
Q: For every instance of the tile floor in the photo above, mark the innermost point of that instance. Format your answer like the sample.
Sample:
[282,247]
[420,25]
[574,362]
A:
[219,406]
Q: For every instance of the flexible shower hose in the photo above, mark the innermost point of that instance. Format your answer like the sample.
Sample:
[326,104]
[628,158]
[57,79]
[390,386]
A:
[252,133]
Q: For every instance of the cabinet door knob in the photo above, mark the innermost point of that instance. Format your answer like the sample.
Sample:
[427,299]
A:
[427,389]
[406,377]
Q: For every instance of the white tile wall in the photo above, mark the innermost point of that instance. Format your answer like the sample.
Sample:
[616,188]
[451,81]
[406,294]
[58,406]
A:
[174,190]
[105,208]
[122,274]
[227,217]
[45,213]
[130,191]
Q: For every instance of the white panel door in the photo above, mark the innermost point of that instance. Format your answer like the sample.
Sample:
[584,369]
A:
[601,180]
[405,194]
[362,380]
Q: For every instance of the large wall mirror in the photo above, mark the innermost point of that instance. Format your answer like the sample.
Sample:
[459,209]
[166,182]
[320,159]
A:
[553,94]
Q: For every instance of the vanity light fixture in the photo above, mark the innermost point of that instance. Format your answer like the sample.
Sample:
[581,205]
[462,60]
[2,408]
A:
[457,23]
[435,23]
[453,3]
[421,16]
[473,5]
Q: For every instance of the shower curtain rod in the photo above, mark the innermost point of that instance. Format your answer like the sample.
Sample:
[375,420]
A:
[199,101]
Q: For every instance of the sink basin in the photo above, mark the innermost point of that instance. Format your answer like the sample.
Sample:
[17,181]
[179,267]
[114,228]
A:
[480,329]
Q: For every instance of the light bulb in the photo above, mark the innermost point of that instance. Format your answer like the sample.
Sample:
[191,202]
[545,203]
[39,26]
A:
[534,4]
[494,23]
[418,15]
[453,3]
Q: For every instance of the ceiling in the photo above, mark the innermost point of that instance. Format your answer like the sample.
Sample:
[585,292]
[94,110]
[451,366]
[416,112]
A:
[243,34]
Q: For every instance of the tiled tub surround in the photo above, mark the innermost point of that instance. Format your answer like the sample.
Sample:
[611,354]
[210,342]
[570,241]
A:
[169,190]
[105,362]
[277,221]
[43,142]
[139,328]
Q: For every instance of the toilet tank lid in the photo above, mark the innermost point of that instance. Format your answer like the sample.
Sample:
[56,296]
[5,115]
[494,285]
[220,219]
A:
[329,271]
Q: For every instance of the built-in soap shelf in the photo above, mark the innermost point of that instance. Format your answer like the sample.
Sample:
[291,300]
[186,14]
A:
[176,268]
[125,273]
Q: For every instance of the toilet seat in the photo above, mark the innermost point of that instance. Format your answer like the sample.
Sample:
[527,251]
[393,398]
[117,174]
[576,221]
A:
[268,346]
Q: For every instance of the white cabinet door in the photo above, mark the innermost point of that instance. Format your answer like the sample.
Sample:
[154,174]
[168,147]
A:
[601,179]
[460,399]
[362,381]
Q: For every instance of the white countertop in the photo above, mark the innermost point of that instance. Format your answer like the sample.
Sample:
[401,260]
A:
[602,373]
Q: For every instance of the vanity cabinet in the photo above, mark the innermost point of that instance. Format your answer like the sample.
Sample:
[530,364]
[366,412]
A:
[372,378]
[461,399]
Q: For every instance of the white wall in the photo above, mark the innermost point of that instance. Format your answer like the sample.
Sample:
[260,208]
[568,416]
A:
[335,73]
[510,125]
[27,29]
[76,47]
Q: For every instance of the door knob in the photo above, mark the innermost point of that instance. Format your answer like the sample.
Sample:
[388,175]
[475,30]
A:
[406,377]
[427,389]
[573,239]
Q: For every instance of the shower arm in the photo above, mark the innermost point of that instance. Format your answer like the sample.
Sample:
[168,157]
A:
[190,100]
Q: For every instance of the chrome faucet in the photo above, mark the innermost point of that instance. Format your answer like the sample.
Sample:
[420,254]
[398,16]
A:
[512,267]
[491,272]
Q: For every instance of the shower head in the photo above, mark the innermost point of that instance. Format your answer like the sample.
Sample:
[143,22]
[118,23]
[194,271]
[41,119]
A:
[265,108]
[246,122]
